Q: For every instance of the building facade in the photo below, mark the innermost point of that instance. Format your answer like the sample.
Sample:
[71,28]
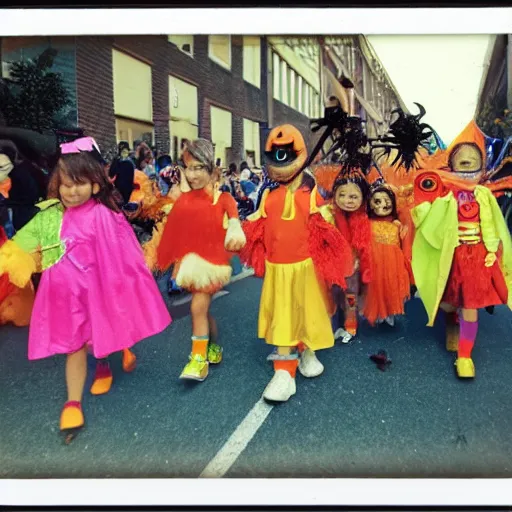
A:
[496,88]
[230,89]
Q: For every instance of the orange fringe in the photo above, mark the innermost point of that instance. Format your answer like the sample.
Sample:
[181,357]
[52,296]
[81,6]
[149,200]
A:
[254,252]
[330,251]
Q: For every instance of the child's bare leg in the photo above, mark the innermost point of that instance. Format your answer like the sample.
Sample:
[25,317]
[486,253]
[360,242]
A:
[214,349]
[197,368]
[76,374]
[199,309]
[213,330]
[452,327]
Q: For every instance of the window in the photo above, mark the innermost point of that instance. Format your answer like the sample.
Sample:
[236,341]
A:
[296,91]
[183,111]
[221,127]
[132,87]
[305,98]
[252,141]
[276,75]
[284,82]
[184,43]
[252,60]
[219,50]
[130,131]
[291,87]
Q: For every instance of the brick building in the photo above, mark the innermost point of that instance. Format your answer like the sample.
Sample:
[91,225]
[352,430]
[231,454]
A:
[164,89]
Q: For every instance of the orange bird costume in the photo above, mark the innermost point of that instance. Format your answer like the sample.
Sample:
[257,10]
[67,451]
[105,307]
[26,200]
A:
[300,256]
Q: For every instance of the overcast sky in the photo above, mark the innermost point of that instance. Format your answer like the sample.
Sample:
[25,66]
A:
[443,73]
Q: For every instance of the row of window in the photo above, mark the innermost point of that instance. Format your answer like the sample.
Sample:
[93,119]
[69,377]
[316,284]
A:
[290,88]
[219,50]
[134,114]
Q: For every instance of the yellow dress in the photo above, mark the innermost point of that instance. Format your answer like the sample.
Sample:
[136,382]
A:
[295,305]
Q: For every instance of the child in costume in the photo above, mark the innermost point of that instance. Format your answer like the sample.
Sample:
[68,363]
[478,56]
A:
[347,211]
[200,234]
[95,290]
[301,256]
[389,288]
[462,251]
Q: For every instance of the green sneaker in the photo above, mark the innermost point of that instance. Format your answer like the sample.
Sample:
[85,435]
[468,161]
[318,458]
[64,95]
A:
[214,353]
[196,369]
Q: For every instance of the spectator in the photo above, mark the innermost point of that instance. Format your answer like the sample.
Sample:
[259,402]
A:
[163,167]
[247,185]
[122,171]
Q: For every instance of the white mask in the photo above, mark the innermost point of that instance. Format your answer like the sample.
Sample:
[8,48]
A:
[6,167]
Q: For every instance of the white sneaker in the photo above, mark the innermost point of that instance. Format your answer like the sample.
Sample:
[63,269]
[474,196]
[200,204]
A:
[339,333]
[343,336]
[281,387]
[309,365]
[390,320]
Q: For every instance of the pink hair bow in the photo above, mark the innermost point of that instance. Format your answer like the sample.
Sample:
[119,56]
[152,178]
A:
[86,144]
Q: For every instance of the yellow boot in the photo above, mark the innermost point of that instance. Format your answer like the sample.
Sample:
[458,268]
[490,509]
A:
[465,368]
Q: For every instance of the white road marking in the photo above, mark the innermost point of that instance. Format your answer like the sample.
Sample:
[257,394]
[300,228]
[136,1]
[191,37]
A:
[238,441]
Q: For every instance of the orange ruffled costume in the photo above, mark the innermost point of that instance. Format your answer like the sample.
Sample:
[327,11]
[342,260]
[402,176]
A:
[15,303]
[194,240]
[301,256]
[389,287]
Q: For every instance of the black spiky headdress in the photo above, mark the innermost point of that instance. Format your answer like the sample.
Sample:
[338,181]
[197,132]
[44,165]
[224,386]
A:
[349,138]
[407,135]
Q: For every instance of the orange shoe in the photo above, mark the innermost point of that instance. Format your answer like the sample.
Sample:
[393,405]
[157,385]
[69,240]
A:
[102,379]
[129,360]
[71,420]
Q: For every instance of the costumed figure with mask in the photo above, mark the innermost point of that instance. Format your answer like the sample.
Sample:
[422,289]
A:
[300,256]
[96,292]
[341,175]
[202,230]
[389,287]
[462,252]
[22,185]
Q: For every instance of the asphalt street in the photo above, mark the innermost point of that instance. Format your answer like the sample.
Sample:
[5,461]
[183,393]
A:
[414,420]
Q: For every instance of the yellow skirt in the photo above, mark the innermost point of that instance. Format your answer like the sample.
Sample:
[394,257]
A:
[295,306]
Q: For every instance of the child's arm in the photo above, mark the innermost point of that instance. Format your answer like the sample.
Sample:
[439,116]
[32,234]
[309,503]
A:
[235,236]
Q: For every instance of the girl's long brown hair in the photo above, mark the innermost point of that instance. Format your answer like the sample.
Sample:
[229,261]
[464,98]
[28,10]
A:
[82,168]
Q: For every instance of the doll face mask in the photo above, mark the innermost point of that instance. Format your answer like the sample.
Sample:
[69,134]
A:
[6,166]
[466,162]
[381,204]
[349,197]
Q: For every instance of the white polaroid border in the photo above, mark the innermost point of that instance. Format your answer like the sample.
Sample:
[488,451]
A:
[203,492]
